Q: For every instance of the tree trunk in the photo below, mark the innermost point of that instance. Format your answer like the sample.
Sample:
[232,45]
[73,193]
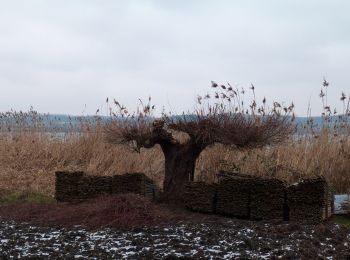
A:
[180,161]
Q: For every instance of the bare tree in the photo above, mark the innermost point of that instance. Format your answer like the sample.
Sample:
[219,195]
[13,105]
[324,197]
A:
[225,122]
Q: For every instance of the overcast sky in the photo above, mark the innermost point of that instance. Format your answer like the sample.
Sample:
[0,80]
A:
[68,56]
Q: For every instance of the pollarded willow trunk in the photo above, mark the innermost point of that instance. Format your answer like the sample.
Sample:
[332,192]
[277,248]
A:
[180,161]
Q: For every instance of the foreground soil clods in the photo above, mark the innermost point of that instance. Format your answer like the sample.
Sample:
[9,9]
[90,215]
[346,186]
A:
[186,240]
[129,226]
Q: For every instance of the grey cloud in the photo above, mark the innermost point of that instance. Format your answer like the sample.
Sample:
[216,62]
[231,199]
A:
[60,55]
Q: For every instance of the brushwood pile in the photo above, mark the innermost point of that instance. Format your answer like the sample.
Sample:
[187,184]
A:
[257,198]
[200,197]
[308,199]
[77,186]
[267,199]
[233,196]
[137,183]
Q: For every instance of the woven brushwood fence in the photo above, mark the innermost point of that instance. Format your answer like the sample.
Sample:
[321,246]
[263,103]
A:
[267,199]
[200,197]
[137,183]
[77,186]
[233,196]
[256,198]
[309,200]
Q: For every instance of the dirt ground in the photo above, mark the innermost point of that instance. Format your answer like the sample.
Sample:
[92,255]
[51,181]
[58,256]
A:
[225,239]
[131,227]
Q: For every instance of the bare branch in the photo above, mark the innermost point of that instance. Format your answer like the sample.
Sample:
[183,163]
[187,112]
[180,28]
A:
[138,133]
[227,121]
[235,129]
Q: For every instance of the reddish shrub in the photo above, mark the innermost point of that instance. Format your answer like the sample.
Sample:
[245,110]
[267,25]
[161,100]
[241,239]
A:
[122,211]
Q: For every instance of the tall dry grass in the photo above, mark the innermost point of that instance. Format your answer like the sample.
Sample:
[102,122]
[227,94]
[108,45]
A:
[29,156]
[325,156]
[29,159]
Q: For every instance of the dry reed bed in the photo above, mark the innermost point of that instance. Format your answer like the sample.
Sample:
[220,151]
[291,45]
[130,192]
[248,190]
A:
[28,160]
[29,156]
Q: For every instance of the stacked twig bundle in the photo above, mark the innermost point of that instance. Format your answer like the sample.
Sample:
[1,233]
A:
[76,186]
[267,199]
[200,197]
[233,196]
[68,186]
[92,186]
[137,183]
[308,200]
[223,175]
[257,198]
[330,199]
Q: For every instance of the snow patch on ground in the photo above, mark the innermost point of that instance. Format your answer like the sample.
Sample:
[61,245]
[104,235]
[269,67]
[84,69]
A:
[200,241]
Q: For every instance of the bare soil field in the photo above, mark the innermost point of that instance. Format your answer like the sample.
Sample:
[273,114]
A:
[131,227]
[225,239]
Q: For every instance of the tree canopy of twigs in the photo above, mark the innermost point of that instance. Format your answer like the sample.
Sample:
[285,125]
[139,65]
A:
[220,117]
